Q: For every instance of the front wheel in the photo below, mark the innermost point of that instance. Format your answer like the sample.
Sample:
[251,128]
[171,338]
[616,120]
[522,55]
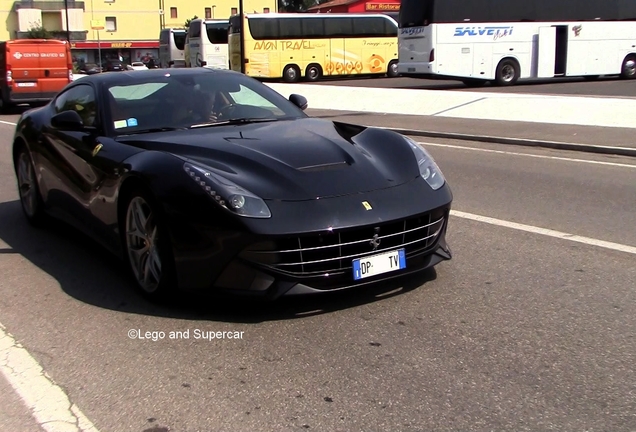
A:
[628,70]
[148,247]
[30,198]
[507,72]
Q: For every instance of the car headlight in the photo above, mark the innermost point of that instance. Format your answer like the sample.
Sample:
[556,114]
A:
[227,194]
[428,168]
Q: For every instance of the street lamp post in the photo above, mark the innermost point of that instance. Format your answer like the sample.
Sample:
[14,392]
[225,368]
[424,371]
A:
[68,27]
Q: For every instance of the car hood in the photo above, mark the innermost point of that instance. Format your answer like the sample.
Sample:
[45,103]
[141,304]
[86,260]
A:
[293,159]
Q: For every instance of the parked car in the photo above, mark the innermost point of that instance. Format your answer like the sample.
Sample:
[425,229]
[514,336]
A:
[114,66]
[90,69]
[137,66]
[209,180]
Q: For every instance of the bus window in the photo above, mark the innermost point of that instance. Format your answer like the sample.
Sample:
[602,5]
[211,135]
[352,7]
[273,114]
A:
[313,28]
[290,28]
[338,27]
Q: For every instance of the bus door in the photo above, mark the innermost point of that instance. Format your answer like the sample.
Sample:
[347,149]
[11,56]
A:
[552,51]
[335,64]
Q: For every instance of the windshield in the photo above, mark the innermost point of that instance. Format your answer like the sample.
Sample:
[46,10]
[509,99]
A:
[416,13]
[179,40]
[180,101]
[217,32]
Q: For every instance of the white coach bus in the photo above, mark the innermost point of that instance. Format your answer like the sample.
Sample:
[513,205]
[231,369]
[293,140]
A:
[208,43]
[502,41]
[172,47]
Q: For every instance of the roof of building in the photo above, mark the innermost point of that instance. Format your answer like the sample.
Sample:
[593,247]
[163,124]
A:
[333,3]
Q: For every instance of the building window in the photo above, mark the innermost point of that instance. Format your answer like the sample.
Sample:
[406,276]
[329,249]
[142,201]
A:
[173,12]
[234,11]
[208,13]
[111,24]
[265,10]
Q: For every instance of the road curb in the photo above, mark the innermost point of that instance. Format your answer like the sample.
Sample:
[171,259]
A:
[588,148]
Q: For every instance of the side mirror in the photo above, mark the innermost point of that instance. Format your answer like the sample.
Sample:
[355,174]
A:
[67,120]
[204,63]
[299,101]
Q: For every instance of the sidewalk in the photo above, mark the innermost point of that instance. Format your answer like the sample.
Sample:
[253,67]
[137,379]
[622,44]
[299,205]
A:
[589,135]
[533,108]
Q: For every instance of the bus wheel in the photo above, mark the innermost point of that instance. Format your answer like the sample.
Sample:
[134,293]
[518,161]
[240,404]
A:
[628,70]
[507,72]
[291,73]
[392,70]
[313,72]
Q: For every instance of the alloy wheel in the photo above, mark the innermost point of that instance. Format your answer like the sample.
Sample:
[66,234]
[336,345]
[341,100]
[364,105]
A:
[141,242]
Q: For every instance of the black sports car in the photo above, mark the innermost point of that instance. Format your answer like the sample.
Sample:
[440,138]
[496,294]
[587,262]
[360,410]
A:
[209,180]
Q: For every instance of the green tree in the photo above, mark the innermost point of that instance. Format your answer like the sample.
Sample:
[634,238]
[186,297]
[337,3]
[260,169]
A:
[37,31]
[188,21]
[298,5]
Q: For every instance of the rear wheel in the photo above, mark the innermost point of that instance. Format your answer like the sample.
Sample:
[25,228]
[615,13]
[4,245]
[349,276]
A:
[313,72]
[392,70]
[30,197]
[291,74]
[507,72]
[148,247]
[628,70]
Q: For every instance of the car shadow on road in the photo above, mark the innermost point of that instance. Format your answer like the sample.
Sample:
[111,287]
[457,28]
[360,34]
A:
[89,273]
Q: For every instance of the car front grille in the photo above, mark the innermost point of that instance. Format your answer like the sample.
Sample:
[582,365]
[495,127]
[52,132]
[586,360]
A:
[331,253]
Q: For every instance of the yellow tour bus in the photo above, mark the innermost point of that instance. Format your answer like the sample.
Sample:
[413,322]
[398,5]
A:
[292,46]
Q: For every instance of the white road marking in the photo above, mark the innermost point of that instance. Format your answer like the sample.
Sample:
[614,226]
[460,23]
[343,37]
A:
[546,232]
[7,123]
[593,162]
[48,403]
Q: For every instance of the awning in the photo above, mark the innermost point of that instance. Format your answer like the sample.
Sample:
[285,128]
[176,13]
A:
[114,44]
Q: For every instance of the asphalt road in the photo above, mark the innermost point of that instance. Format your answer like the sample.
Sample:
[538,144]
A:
[605,86]
[520,331]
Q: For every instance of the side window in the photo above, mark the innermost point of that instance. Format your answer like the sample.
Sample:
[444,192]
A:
[313,27]
[338,27]
[80,99]
[290,28]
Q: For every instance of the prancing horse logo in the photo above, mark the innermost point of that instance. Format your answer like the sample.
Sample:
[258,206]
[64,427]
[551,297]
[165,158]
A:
[375,241]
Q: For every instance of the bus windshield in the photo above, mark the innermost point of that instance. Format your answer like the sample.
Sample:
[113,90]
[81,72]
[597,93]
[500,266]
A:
[179,40]
[416,13]
[217,32]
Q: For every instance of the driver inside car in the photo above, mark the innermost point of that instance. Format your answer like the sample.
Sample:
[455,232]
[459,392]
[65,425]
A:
[198,108]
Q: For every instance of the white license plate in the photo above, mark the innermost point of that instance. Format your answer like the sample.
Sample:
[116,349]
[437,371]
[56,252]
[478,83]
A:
[377,264]
[27,84]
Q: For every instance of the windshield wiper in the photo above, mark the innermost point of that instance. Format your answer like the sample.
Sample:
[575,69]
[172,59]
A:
[234,122]
[151,130]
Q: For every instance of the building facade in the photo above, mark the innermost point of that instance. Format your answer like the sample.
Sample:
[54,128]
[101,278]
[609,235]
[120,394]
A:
[357,6]
[129,29]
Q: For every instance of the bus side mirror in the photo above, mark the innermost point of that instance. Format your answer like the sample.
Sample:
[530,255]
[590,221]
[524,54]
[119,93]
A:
[299,101]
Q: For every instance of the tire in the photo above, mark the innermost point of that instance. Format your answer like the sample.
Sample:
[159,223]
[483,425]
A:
[507,72]
[28,188]
[392,69]
[313,73]
[5,107]
[147,246]
[628,69]
[474,82]
[291,74]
